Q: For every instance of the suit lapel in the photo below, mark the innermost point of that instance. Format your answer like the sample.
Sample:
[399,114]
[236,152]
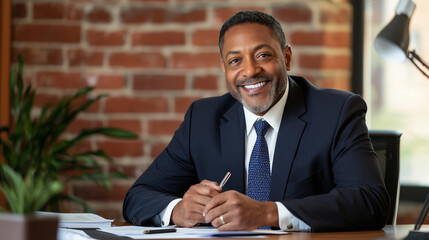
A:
[232,143]
[291,129]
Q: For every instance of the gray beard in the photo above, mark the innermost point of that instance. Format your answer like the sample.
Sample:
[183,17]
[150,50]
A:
[275,94]
[263,108]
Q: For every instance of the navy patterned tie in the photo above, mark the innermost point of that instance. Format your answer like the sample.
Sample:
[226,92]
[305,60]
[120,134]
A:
[259,177]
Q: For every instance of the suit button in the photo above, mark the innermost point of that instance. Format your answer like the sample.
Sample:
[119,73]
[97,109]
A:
[162,223]
[290,226]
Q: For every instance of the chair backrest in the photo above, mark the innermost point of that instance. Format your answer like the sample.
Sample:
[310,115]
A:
[386,145]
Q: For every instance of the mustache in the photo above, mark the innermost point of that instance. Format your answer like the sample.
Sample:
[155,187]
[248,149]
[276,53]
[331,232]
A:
[249,81]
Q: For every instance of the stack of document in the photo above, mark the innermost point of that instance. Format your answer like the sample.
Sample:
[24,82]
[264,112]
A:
[138,232]
[79,220]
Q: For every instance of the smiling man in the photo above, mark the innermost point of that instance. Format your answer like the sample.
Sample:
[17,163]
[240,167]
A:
[256,72]
[300,157]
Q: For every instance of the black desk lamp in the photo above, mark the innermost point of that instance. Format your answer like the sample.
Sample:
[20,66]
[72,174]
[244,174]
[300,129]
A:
[392,44]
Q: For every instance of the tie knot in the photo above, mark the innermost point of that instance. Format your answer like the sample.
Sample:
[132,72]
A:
[261,128]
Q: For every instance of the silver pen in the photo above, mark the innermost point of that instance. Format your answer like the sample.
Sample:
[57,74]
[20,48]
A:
[225,179]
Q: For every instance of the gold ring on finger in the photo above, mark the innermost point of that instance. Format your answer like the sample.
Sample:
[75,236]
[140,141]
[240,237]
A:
[221,219]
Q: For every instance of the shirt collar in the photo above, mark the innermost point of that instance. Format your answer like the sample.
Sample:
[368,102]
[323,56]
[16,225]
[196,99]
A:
[273,116]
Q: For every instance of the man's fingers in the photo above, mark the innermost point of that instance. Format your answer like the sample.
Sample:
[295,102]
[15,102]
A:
[196,198]
[228,223]
[205,189]
[222,220]
[212,184]
[215,207]
[192,218]
[190,210]
[187,214]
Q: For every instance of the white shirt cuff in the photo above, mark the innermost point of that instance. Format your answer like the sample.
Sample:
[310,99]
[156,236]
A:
[165,215]
[288,222]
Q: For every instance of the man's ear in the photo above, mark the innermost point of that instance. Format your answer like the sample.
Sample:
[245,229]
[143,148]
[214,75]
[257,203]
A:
[288,57]
[222,65]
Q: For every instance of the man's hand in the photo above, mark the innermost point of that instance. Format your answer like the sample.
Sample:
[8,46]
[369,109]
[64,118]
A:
[188,212]
[240,212]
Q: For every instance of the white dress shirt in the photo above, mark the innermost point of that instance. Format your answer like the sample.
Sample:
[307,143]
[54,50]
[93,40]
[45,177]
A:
[287,221]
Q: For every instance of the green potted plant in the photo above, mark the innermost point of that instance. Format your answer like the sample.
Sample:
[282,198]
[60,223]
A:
[37,161]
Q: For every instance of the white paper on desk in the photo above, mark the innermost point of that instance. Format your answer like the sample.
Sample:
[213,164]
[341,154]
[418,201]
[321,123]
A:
[79,220]
[72,234]
[240,233]
[136,232]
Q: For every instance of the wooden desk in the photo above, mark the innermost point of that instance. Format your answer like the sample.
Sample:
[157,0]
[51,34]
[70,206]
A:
[388,233]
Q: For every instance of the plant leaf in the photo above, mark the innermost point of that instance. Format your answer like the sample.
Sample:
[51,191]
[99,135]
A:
[36,155]
[13,188]
[117,133]
[111,132]
[19,82]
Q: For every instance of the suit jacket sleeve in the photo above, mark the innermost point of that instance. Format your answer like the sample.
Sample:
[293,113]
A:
[151,193]
[358,199]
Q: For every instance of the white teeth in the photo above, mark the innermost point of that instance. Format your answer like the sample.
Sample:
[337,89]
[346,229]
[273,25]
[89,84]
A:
[255,85]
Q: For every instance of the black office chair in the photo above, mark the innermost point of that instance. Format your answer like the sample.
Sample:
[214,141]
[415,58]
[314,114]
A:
[386,145]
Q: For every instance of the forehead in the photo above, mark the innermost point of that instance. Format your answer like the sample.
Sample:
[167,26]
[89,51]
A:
[248,34]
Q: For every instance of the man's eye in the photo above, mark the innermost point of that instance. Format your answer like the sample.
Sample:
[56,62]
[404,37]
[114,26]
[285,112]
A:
[233,61]
[263,55]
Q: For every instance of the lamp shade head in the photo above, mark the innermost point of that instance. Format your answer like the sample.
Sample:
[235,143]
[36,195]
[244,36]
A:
[392,42]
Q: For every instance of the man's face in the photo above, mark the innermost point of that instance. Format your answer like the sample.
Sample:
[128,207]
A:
[255,66]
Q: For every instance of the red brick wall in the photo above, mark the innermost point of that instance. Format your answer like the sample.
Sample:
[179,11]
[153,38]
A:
[153,58]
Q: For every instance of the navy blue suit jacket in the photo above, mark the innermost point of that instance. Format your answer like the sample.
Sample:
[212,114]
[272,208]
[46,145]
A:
[324,170]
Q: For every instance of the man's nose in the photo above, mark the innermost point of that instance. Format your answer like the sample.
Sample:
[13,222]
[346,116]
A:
[250,69]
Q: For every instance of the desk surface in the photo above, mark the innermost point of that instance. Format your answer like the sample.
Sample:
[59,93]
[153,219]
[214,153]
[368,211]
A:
[388,233]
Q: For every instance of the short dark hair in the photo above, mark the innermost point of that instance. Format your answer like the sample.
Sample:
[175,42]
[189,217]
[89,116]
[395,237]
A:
[254,16]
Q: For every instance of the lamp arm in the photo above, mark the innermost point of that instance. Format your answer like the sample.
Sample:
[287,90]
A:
[416,234]
[422,215]
[412,55]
